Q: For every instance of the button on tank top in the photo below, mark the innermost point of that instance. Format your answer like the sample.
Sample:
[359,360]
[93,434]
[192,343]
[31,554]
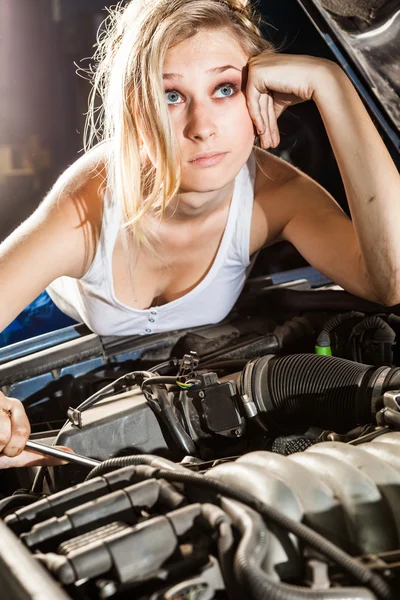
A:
[91,299]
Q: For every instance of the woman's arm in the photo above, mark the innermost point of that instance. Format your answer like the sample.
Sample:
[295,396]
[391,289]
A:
[370,178]
[58,239]
[363,255]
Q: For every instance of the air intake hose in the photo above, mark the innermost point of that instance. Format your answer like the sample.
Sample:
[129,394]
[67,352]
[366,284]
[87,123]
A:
[310,389]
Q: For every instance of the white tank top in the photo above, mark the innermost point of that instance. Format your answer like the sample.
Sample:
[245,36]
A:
[91,299]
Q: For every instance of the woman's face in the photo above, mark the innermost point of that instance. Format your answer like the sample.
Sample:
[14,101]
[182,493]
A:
[204,89]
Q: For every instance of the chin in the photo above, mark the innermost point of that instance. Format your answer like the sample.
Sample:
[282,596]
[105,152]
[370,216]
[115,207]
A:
[213,178]
[205,184]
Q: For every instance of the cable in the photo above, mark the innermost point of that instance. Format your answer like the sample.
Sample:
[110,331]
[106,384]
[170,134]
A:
[323,343]
[355,569]
[16,501]
[368,437]
[109,388]
[163,408]
[37,485]
[250,556]
[134,459]
[74,414]
[172,362]
[166,379]
[226,555]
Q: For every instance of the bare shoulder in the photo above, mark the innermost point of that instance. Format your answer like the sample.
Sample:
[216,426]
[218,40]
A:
[59,238]
[67,222]
[75,202]
[82,184]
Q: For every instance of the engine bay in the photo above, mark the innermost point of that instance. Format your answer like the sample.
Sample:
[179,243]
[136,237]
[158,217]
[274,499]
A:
[257,457]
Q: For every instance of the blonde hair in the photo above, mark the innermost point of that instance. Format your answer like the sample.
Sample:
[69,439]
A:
[131,49]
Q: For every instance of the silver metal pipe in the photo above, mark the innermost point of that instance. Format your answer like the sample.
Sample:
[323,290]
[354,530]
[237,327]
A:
[63,454]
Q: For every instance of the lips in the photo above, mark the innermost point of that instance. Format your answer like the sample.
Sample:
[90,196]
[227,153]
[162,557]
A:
[206,155]
[208,160]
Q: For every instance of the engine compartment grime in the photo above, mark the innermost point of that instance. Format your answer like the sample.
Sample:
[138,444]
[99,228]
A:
[263,465]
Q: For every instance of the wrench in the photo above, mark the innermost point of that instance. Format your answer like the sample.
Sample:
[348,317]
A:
[68,456]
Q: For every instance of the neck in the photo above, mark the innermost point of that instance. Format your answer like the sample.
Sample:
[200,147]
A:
[187,206]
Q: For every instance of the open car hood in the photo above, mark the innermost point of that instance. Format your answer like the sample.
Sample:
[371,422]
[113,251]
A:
[365,39]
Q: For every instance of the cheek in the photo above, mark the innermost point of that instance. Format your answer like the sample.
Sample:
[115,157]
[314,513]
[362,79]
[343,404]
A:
[238,126]
[233,121]
[243,122]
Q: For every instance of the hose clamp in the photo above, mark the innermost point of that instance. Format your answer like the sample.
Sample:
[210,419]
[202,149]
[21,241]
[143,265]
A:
[248,406]
[378,388]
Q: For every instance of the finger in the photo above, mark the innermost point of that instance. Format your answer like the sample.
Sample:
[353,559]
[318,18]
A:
[20,429]
[5,429]
[30,458]
[272,122]
[253,106]
[265,138]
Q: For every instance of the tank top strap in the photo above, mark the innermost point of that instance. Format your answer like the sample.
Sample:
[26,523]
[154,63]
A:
[110,224]
[236,239]
[245,212]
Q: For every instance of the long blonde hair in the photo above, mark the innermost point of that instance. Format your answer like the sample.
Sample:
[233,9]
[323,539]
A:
[131,48]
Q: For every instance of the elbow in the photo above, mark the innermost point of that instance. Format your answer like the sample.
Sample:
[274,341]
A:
[391,300]
[387,298]
[383,289]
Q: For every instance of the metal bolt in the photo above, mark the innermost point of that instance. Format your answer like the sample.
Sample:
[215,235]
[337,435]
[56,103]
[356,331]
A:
[107,588]
[387,573]
[201,394]
[238,432]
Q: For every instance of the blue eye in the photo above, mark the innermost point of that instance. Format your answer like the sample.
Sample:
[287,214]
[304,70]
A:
[227,89]
[171,96]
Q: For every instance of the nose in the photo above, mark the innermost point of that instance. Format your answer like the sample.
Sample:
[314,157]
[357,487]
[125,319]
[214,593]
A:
[201,123]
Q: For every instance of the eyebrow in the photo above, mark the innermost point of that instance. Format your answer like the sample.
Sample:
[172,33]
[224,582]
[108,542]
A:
[213,71]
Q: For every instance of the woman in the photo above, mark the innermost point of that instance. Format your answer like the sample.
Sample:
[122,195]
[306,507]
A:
[153,228]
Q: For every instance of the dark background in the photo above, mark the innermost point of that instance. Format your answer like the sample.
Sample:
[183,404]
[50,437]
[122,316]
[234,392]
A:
[43,101]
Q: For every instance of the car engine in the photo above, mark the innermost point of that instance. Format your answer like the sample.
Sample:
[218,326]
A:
[254,458]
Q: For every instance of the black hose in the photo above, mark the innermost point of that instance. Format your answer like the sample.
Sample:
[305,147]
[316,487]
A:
[265,344]
[325,391]
[248,560]
[157,380]
[264,588]
[394,319]
[16,501]
[383,334]
[351,566]
[166,412]
[285,336]
[310,389]
[178,433]
[226,553]
[219,521]
[110,389]
[134,459]
[374,322]
[324,338]
[168,364]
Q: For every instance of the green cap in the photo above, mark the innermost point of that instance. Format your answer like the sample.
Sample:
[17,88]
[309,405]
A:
[325,350]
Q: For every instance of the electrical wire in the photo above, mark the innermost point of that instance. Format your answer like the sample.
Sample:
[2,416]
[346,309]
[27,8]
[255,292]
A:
[310,537]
